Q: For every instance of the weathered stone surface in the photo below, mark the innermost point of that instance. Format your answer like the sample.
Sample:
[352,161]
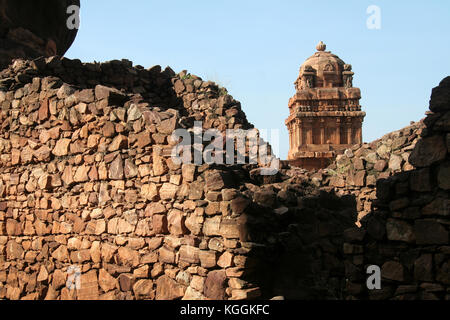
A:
[428,151]
[393,270]
[429,231]
[86,96]
[232,228]
[134,113]
[116,169]
[440,97]
[192,294]
[126,282]
[420,180]
[149,191]
[119,142]
[114,96]
[208,259]
[89,286]
[160,224]
[246,294]
[166,255]
[211,227]
[444,176]
[143,289]
[423,268]
[168,191]
[215,285]
[225,260]
[130,169]
[188,172]
[168,289]
[61,148]
[398,230]
[61,254]
[176,222]
[14,250]
[380,165]
[239,204]
[395,162]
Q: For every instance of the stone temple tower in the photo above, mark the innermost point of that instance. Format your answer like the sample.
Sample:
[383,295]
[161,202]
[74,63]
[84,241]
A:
[325,115]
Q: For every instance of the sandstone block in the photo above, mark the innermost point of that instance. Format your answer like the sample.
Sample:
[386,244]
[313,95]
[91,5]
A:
[168,191]
[168,289]
[128,257]
[208,259]
[444,176]
[113,96]
[246,294]
[239,204]
[188,172]
[192,295]
[149,191]
[143,289]
[89,286]
[166,255]
[440,96]
[126,282]
[423,268]
[398,230]
[106,281]
[393,270]
[216,180]
[420,180]
[211,227]
[176,222]
[225,260]
[61,148]
[116,169]
[428,150]
[160,224]
[61,254]
[119,142]
[429,232]
[189,254]
[215,285]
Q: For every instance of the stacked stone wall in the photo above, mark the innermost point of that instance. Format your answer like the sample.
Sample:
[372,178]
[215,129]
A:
[89,192]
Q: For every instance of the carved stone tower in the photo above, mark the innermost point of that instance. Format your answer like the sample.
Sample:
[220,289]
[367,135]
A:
[325,115]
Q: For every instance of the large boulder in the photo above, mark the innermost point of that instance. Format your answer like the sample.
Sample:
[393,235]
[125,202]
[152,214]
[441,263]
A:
[31,29]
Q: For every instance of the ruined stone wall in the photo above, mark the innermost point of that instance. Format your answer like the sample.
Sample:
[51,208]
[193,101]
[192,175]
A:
[86,181]
[87,185]
[401,186]
[407,232]
[357,171]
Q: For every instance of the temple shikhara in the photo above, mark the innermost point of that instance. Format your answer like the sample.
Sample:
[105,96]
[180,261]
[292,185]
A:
[325,115]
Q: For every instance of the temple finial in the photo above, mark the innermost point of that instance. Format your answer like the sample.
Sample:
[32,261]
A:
[321,46]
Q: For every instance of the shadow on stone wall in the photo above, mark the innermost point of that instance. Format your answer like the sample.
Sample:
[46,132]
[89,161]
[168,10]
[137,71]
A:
[295,233]
[407,233]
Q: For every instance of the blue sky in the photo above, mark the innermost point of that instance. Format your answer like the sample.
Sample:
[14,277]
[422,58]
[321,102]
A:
[255,49]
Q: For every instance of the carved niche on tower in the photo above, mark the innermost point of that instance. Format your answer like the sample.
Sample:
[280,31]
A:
[347,76]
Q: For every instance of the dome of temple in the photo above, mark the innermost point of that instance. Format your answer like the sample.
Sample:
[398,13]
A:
[326,66]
